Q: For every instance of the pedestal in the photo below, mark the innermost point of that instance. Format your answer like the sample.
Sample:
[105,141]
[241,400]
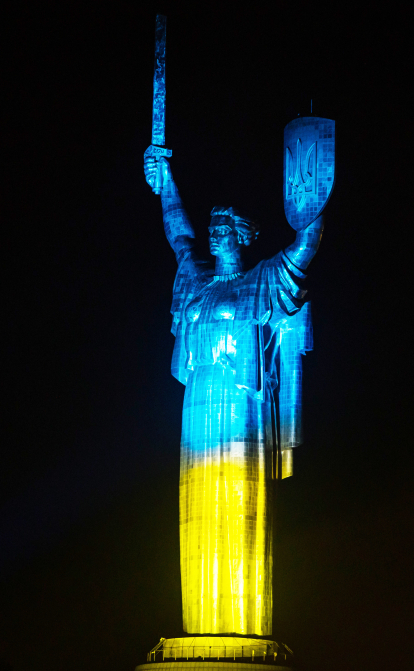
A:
[214,653]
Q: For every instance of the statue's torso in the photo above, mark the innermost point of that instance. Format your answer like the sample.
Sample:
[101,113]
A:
[210,319]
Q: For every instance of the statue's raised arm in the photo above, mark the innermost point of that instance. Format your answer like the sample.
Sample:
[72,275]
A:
[302,251]
[177,226]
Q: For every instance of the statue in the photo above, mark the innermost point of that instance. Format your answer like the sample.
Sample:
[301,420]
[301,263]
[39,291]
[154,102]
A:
[239,337]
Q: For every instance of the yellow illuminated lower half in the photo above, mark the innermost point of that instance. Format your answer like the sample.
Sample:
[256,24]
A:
[225,509]
[226,559]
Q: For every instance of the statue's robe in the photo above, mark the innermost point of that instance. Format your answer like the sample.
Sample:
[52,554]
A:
[238,351]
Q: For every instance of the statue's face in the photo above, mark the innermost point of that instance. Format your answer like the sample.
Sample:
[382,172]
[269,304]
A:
[223,236]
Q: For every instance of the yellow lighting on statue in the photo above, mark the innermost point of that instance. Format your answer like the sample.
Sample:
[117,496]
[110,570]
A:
[226,560]
[287,463]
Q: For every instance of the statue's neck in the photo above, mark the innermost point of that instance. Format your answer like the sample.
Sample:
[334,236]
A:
[228,266]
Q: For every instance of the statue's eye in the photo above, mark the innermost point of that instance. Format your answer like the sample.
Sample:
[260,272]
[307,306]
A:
[219,231]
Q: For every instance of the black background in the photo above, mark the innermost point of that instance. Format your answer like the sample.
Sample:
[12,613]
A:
[89,467]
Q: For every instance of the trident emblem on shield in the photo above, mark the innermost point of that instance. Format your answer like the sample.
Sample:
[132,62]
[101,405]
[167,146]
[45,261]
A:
[303,183]
[308,181]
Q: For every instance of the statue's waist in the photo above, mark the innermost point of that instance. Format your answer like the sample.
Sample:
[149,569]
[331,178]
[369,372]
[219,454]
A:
[209,344]
[220,358]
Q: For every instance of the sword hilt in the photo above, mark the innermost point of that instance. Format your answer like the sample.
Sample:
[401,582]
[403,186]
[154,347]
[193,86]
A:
[157,152]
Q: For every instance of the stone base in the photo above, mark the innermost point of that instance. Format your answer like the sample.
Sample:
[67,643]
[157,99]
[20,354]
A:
[191,665]
[227,653]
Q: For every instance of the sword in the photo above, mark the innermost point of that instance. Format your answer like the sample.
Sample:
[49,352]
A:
[157,147]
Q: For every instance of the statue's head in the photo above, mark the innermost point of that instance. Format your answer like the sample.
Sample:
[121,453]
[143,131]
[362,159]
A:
[230,230]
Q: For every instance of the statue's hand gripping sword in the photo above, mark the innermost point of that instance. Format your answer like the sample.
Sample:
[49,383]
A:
[157,149]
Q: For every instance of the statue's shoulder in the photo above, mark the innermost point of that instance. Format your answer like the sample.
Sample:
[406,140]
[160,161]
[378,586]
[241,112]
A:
[259,273]
[191,263]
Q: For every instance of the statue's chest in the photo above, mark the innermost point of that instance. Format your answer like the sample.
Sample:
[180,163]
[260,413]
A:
[214,304]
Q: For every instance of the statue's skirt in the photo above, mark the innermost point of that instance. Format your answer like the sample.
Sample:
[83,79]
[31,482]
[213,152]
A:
[225,506]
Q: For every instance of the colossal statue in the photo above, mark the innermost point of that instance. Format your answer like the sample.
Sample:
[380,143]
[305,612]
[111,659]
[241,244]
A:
[239,340]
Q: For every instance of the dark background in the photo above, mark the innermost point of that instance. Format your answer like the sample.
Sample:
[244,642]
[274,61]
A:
[89,468]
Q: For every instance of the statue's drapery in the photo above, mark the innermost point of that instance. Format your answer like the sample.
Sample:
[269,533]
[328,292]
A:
[238,351]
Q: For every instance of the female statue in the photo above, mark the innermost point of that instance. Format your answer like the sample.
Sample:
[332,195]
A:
[239,340]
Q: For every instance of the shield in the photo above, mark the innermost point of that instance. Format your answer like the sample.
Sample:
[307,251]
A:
[309,169]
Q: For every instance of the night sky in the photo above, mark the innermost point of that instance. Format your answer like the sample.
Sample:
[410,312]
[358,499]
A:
[89,548]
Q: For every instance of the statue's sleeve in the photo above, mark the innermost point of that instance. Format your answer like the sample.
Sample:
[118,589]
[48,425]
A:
[192,275]
[177,225]
[302,251]
[290,336]
[286,287]
[274,330]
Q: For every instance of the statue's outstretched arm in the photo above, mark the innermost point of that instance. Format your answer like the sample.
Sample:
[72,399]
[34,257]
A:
[302,251]
[177,226]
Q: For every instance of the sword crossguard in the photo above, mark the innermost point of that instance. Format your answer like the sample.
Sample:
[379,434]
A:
[157,152]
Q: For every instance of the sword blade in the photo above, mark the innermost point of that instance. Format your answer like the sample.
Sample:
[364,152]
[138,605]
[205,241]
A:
[158,104]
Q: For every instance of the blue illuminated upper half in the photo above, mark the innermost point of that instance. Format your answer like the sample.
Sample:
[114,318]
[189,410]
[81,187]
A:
[309,168]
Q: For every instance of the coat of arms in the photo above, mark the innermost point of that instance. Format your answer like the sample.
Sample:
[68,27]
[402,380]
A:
[309,168]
